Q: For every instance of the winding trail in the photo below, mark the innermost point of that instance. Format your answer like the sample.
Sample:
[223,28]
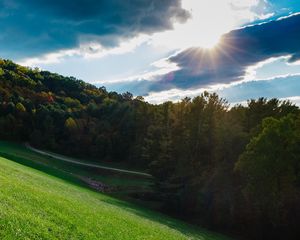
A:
[75,161]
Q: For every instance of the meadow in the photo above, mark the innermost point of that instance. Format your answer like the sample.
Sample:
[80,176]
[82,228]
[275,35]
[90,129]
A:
[48,203]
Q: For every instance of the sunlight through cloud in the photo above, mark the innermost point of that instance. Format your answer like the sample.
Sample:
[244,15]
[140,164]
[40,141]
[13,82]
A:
[209,20]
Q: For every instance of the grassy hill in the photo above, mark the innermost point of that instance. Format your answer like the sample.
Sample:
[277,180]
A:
[53,165]
[199,152]
[118,184]
[35,205]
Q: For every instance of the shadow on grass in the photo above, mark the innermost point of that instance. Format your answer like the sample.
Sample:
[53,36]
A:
[185,228]
[44,168]
[137,209]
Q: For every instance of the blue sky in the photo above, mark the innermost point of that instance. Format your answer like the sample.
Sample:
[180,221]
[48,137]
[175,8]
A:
[161,49]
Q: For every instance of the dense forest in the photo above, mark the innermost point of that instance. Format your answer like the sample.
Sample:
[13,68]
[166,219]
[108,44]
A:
[235,169]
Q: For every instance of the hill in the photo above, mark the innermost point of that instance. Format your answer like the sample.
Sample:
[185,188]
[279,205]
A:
[34,205]
[68,115]
[232,169]
[124,184]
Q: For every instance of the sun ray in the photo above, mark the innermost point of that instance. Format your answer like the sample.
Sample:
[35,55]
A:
[207,23]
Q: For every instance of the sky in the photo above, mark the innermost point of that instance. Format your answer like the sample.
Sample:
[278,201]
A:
[161,49]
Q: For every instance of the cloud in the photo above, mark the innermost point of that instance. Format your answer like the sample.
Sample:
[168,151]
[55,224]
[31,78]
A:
[88,50]
[238,52]
[277,87]
[175,35]
[209,20]
[34,27]
[283,87]
[293,99]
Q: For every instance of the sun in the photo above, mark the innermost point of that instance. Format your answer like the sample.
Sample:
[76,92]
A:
[208,22]
[210,44]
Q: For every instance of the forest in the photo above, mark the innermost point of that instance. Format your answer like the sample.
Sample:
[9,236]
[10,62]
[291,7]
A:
[235,169]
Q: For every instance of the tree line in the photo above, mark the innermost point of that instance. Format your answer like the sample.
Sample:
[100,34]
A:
[236,169]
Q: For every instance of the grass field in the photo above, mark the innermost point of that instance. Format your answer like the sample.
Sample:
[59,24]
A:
[72,172]
[35,205]
[122,186]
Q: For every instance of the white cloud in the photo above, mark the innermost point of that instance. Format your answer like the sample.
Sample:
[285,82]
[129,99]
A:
[171,95]
[49,58]
[178,94]
[161,68]
[86,50]
[294,99]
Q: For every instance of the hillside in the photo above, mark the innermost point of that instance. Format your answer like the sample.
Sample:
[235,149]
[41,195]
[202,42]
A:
[122,184]
[68,115]
[232,169]
[34,205]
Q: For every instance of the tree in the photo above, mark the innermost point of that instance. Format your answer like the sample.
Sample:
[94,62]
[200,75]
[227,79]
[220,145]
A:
[270,167]
[20,107]
[71,124]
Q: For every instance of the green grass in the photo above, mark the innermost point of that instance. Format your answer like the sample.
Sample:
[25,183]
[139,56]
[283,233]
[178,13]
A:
[35,205]
[19,153]
[125,183]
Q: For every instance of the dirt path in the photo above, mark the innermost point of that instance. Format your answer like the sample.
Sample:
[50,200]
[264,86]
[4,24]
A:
[78,162]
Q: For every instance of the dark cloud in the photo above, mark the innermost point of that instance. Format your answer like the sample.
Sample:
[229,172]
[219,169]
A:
[32,27]
[238,50]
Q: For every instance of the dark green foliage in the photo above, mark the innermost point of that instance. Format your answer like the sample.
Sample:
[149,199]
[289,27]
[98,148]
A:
[68,115]
[270,169]
[236,169]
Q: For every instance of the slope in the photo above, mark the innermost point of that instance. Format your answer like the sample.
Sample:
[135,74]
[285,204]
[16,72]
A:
[34,205]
